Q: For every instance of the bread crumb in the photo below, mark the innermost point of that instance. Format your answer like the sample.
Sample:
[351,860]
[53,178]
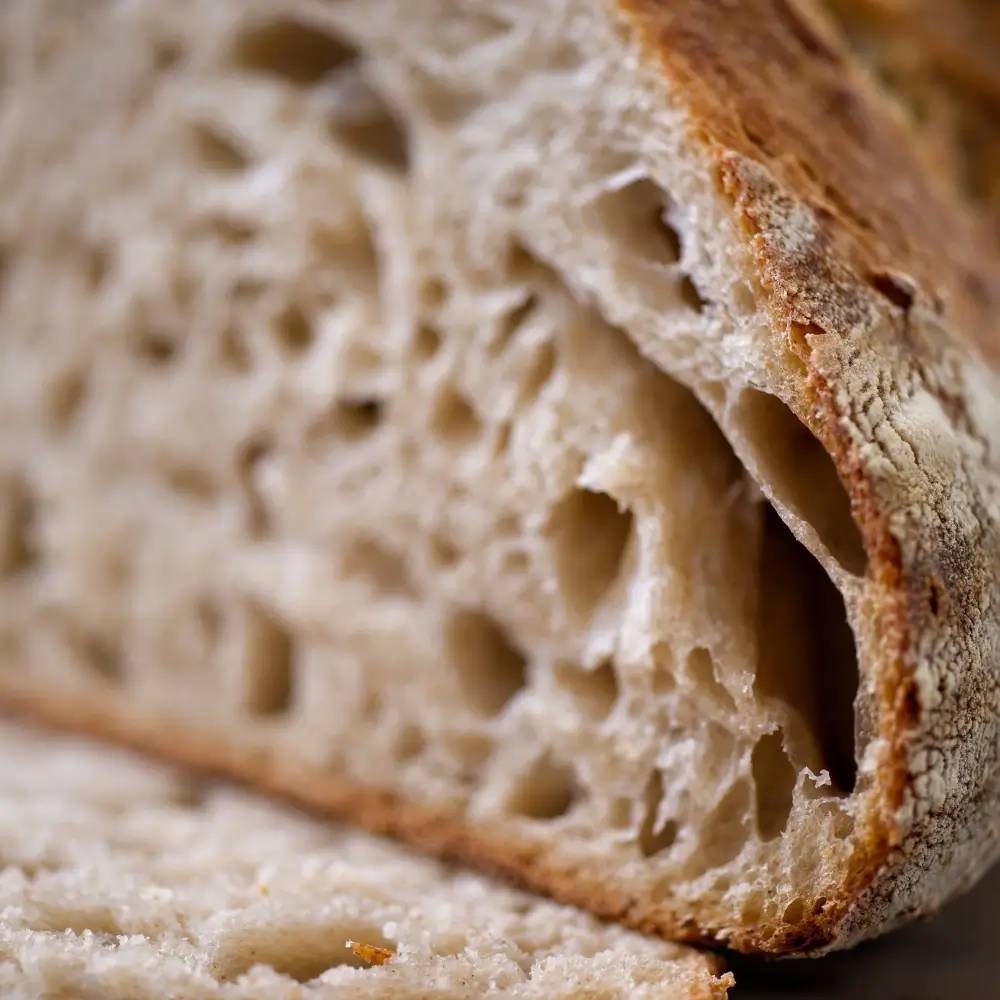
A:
[370,953]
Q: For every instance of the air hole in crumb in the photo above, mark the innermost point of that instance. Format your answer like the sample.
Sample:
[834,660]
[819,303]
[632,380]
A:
[209,620]
[490,669]
[156,347]
[543,364]
[217,151]
[167,53]
[588,533]
[348,420]
[690,295]
[896,288]
[546,789]
[507,525]
[371,560]
[655,835]
[794,912]
[268,662]
[293,330]
[360,119]
[356,419]
[725,831]
[443,551]
[524,266]
[18,526]
[937,596]
[701,670]
[806,651]
[512,321]
[501,442]
[234,354]
[438,100]
[636,216]
[426,342]
[101,657]
[191,482]
[803,475]
[298,949]
[301,54]
[515,562]
[96,266]
[453,419]
[65,397]
[433,294]
[410,742]
[774,779]
[594,692]
[248,470]
[231,231]
[247,291]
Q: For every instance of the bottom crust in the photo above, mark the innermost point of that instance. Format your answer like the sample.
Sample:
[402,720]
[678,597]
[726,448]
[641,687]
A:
[436,831]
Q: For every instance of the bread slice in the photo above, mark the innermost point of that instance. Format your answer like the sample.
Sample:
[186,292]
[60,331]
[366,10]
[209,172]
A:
[561,435]
[125,881]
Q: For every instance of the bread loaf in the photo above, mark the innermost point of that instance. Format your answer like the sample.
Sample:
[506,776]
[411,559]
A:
[562,435]
[120,881]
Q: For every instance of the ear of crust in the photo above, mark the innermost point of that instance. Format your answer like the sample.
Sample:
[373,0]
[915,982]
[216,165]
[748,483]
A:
[887,296]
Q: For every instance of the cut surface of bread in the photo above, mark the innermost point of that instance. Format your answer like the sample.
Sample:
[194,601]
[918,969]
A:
[121,880]
[557,434]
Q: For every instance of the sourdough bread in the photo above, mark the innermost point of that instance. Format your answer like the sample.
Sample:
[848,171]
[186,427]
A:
[561,435]
[119,880]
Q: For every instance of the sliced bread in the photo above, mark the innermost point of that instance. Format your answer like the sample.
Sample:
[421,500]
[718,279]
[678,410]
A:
[120,881]
[560,434]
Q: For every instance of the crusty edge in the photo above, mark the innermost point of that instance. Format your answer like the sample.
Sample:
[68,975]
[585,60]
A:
[868,265]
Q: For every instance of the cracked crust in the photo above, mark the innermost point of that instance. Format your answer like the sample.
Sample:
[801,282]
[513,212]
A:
[875,277]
